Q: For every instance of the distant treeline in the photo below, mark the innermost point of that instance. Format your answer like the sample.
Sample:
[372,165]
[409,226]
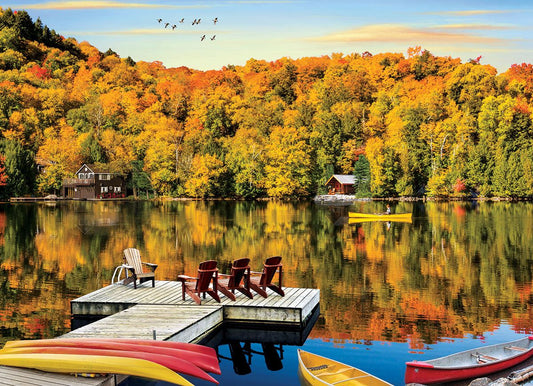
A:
[406,125]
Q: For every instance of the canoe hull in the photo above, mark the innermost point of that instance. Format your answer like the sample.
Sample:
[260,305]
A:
[144,342]
[206,362]
[173,363]
[165,343]
[381,216]
[74,364]
[358,220]
[470,363]
[316,370]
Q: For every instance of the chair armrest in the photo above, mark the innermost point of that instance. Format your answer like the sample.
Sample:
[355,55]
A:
[152,266]
[183,278]
[128,267]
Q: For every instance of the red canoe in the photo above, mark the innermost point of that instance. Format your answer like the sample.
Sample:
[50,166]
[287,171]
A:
[206,362]
[470,363]
[162,343]
[147,342]
[178,365]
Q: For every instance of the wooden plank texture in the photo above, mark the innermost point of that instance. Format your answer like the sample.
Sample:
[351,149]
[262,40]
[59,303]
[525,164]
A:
[18,376]
[140,322]
[292,308]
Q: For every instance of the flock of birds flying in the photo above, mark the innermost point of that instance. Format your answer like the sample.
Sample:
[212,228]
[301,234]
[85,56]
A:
[194,22]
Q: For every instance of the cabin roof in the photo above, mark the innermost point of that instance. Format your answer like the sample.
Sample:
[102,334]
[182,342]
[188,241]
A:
[343,179]
[94,169]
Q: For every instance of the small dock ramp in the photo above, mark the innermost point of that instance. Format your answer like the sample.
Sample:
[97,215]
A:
[154,321]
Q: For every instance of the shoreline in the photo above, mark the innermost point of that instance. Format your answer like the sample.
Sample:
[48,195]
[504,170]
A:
[319,199]
[345,199]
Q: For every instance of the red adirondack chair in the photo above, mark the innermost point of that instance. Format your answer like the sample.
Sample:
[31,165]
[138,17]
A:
[205,283]
[260,281]
[239,279]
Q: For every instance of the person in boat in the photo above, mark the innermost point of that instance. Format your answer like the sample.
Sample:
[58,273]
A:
[388,209]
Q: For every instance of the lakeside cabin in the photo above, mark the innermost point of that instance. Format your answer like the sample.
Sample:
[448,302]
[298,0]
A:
[92,183]
[341,184]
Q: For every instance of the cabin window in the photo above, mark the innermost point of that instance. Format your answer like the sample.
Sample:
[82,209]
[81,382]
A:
[117,189]
[105,177]
[103,189]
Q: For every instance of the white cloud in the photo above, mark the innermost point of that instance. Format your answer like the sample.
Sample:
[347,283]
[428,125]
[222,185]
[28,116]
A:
[401,33]
[99,4]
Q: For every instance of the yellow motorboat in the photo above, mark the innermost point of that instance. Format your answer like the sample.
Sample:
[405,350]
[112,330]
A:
[318,370]
[93,364]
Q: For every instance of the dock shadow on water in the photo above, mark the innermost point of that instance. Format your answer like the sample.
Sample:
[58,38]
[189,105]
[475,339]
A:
[252,355]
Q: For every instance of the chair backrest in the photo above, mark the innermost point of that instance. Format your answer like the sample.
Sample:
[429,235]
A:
[132,257]
[269,270]
[206,271]
[238,271]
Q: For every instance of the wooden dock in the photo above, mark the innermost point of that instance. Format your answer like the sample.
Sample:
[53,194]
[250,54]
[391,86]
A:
[292,309]
[121,311]
[165,322]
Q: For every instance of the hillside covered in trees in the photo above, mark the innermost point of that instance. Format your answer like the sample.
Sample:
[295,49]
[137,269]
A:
[416,124]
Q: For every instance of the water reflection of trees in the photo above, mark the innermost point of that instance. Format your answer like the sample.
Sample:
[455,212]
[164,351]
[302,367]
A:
[458,268]
[461,269]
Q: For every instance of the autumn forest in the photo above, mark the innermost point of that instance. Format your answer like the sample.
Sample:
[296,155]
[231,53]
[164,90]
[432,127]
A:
[405,125]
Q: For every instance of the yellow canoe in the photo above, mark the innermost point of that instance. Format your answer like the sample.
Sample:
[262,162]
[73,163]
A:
[381,216]
[94,364]
[357,220]
[318,370]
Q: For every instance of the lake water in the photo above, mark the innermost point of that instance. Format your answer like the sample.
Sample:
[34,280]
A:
[459,276]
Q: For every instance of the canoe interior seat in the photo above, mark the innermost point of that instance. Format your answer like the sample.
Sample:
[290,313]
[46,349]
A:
[481,358]
[516,348]
[361,378]
[332,373]
[316,368]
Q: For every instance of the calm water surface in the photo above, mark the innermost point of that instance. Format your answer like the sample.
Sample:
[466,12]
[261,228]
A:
[459,276]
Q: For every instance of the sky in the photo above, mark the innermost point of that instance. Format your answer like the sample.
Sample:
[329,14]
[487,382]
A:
[499,31]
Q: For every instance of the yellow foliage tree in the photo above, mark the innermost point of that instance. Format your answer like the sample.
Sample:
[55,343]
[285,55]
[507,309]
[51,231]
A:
[288,163]
[206,170]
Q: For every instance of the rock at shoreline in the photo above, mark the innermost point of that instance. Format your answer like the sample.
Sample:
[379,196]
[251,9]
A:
[337,199]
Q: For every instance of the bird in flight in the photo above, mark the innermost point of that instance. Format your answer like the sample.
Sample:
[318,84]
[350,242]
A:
[173,27]
[182,20]
[202,38]
[166,25]
[215,20]
[213,38]
[159,20]
[194,22]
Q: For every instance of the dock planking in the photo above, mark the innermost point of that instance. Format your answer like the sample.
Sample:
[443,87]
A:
[143,321]
[12,376]
[293,308]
